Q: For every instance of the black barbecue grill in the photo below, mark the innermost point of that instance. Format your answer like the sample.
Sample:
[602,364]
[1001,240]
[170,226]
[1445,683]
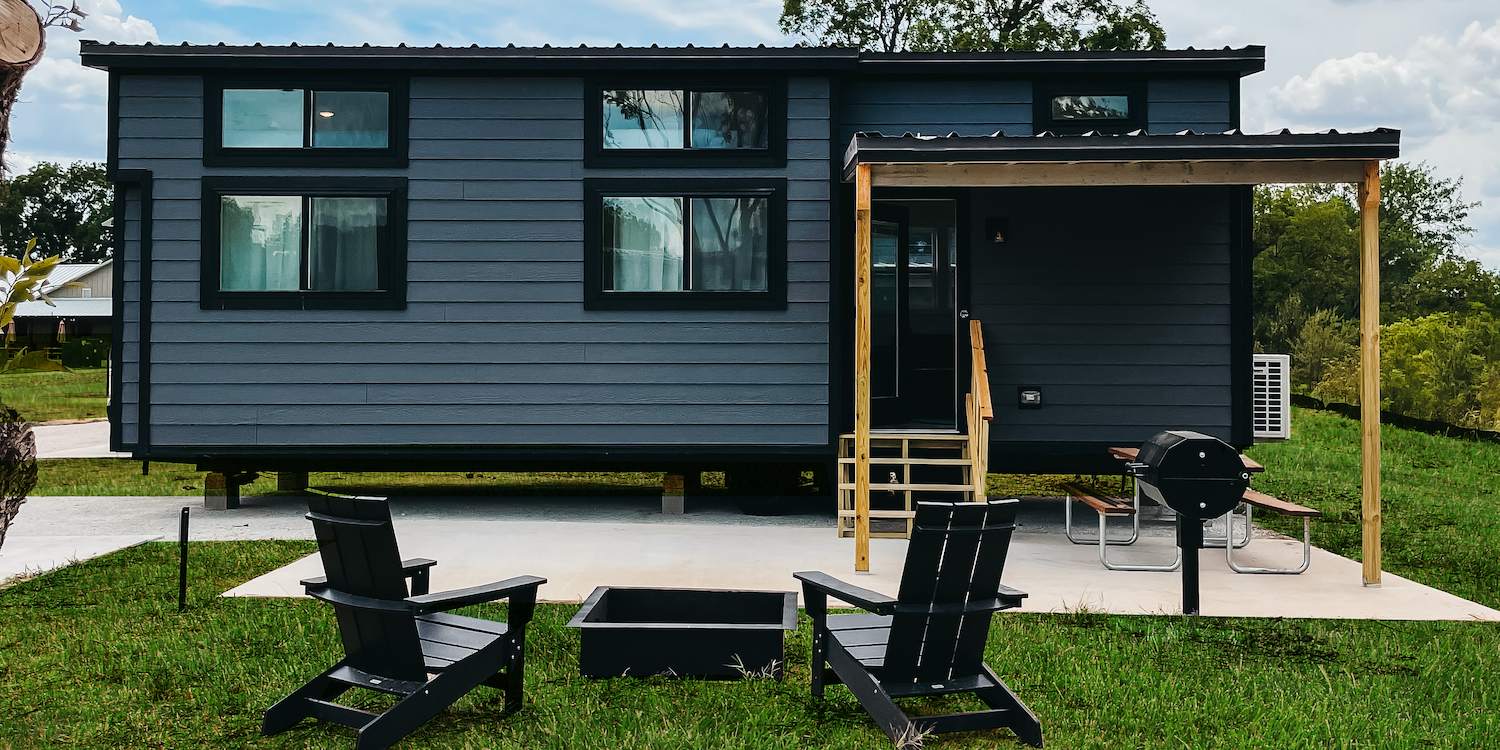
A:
[1198,476]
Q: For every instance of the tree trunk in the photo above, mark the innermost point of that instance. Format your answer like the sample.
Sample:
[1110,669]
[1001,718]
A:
[22,40]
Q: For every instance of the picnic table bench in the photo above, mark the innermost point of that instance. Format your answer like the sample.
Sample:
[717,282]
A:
[1113,506]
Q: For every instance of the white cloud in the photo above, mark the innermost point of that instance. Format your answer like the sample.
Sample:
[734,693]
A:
[1442,91]
[60,113]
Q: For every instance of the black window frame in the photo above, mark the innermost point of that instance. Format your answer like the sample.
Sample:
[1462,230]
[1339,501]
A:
[397,88]
[391,256]
[595,155]
[1134,90]
[596,297]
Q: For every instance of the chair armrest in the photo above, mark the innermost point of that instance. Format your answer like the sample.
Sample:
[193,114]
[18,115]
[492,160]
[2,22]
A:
[870,601]
[445,600]
[334,596]
[409,568]
[1006,592]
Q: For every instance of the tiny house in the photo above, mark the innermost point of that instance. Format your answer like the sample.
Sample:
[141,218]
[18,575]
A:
[669,258]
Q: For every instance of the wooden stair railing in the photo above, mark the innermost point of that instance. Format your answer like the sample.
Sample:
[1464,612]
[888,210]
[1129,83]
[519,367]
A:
[980,412]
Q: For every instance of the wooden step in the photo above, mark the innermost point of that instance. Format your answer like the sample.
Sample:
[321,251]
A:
[912,436]
[897,487]
[882,513]
[913,460]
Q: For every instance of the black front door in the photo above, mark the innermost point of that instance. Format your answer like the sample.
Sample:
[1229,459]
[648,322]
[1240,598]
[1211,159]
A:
[914,318]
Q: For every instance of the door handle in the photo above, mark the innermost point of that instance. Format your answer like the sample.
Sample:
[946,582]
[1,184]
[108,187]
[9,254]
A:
[963,314]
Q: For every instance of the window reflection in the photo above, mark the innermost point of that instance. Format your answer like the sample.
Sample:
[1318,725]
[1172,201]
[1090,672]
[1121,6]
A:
[636,118]
[729,119]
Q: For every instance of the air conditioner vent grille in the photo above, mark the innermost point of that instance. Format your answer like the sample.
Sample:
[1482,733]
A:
[1272,401]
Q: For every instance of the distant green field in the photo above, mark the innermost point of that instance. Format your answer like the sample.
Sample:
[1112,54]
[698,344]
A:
[48,396]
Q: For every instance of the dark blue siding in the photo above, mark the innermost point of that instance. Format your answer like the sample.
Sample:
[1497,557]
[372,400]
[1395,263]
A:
[495,347]
[1200,104]
[1115,302]
[938,107]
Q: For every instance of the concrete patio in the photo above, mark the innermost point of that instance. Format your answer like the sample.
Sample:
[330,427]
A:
[579,543]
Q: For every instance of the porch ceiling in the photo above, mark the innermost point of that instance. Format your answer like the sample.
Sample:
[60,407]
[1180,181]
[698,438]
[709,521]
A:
[1137,158]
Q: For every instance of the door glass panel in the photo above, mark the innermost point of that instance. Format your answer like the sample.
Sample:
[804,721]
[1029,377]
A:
[885,323]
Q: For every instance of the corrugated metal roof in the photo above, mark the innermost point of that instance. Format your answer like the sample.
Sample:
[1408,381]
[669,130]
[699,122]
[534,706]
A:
[439,57]
[1137,145]
[64,273]
[71,307]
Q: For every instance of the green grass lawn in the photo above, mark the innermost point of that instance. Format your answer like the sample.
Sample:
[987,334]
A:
[1440,498]
[106,476]
[48,396]
[96,656]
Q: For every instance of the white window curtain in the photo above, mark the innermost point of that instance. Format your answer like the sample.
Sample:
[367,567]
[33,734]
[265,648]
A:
[345,251]
[643,237]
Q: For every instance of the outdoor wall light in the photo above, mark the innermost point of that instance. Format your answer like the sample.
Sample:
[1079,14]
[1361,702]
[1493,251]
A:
[325,114]
[997,228]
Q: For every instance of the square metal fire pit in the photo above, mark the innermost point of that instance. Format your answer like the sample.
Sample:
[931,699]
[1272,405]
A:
[704,633]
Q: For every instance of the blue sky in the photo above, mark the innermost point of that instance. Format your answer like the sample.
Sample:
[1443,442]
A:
[1429,67]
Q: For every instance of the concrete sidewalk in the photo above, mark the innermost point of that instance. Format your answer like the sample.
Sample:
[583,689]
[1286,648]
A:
[579,543]
[77,440]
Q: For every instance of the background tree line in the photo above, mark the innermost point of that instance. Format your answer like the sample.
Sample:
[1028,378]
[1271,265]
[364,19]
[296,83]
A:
[63,208]
[1439,309]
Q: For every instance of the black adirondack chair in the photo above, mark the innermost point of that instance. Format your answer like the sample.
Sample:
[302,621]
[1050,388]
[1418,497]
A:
[930,639]
[397,640]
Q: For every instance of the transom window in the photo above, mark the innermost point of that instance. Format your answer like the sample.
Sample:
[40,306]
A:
[1072,107]
[685,243]
[323,243]
[680,118]
[337,124]
[735,122]
[1091,107]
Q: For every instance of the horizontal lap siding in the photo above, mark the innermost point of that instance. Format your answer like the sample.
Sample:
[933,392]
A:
[1204,105]
[494,347]
[936,107]
[1114,302]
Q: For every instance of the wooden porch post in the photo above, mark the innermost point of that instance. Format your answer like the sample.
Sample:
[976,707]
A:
[1369,370]
[862,343]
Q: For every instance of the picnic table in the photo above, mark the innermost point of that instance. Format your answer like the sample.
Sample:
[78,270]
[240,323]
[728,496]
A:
[1112,506]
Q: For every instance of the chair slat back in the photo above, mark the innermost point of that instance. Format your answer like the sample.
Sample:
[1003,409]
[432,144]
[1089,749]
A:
[358,546]
[956,555]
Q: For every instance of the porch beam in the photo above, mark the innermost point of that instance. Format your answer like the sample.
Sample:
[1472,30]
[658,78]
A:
[863,264]
[1045,174]
[1369,370]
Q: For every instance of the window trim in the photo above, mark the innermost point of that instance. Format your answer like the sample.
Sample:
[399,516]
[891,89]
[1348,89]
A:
[215,154]
[595,297]
[595,155]
[392,262]
[1133,90]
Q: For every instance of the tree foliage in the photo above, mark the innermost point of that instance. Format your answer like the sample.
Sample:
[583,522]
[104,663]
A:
[974,25]
[1307,245]
[62,207]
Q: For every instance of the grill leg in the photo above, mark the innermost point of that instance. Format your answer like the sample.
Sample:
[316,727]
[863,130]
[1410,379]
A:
[1306,556]
[1104,554]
